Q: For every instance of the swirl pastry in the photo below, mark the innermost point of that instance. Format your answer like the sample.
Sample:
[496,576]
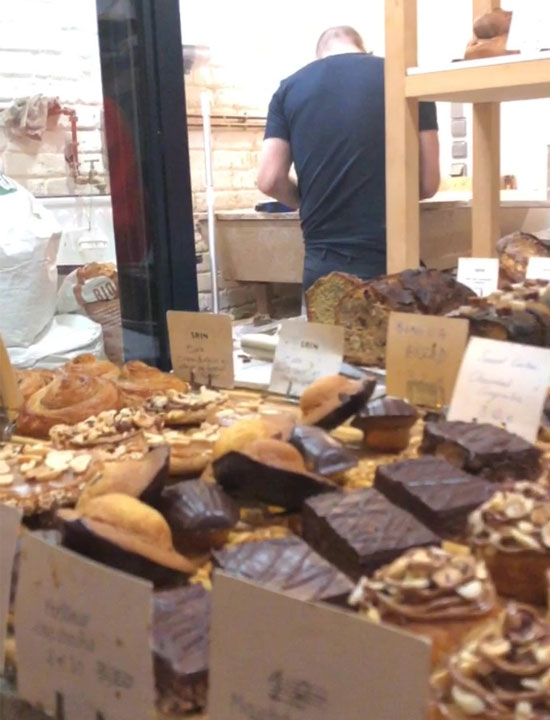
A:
[190,408]
[138,382]
[511,532]
[502,674]
[69,399]
[88,364]
[30,381]
[429,592]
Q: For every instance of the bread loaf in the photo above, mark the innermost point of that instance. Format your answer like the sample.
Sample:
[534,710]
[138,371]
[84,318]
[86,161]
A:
[514,252]
[324,295]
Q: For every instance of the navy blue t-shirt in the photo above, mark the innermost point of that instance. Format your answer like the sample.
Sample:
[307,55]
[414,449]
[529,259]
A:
[332,113]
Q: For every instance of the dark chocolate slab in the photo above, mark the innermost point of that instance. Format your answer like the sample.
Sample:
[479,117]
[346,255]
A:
[361,530]
[482,449]
[440,495]
[194,505]
[181,621]
[321,452]
[288,565]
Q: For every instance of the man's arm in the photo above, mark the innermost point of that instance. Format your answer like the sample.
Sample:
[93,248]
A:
[429,163]
[273,172]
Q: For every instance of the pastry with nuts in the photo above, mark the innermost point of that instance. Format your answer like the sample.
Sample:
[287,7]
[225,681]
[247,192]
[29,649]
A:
[190,451]
[431,592]
[138,382]
[185,408]
[110,427]
[501,674]
[511,532]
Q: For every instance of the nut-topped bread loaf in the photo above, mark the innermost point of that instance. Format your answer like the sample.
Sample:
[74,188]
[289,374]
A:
[323,296]
[515,250]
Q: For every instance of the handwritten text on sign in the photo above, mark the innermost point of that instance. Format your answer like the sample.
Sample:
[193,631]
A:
[479,274]
[296,675]
[201,345]
[83,636]
[10,521]
[503,384]
[423,357]
[305,352]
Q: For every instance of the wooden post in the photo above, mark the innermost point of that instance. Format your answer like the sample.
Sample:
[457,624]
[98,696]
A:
[402,164]
[486,166]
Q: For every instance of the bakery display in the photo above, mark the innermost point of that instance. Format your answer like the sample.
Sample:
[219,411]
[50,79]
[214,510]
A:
[185,408]
[323,297]
[287,565]
[200,515]
[430,592]
[330,401]
[440,495]
[501,674]
[181,626]
[482,449]
[30,381]
[125,533]
[511,532]
[322,453]
[68,399]
[269,471]
[386,424]
[515,251]
[93,367]
[361,530]
[108,428]
[490,36]
[138,382]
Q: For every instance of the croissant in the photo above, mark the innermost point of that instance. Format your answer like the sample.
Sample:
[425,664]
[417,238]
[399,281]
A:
[69,399]
[139,381]
[88,364]
[30,381]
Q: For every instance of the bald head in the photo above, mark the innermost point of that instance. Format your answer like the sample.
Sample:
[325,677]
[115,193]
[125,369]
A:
[340,39]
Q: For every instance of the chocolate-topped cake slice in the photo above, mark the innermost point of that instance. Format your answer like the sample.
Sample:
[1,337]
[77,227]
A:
[181,622]
[440,495]
[361,530]
[482,449]
[288,565]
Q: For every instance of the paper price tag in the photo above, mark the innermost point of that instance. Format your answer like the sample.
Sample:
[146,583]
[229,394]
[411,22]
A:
[479,274]
[83,637]
[423,357]
[503,384]
[305,352]
[289,667]
[10,394]
[201,345]
[10,521]
[538,268]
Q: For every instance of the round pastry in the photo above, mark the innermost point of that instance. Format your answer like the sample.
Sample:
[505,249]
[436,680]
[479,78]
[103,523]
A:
[124,533]
[386,424]
[511,532]
[430,592]
[330,401]
[501,674]
[89,364]
[138,382]
[31,381]
[190,408]
[237,436]
[68,399]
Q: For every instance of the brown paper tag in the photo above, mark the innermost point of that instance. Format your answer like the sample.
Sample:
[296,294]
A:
[201,345]
[83,634]
[10,394]
[10,521]
[502,384]
[307,661]
[305,352]
[423,357]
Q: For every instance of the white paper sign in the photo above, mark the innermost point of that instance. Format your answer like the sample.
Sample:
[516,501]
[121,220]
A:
[503,384]
[10,520]
[306,352]
[479,274]
[538,268]
[83,634]
[278,658]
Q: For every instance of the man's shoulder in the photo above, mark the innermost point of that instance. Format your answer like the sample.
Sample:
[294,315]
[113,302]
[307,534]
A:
[315,68]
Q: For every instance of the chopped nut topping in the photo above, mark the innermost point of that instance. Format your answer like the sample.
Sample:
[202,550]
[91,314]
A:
[6,479]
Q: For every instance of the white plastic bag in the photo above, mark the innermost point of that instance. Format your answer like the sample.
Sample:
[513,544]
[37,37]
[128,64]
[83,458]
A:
[29,242]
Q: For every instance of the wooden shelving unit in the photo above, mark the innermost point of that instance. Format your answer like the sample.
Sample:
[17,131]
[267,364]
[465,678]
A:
[483,85]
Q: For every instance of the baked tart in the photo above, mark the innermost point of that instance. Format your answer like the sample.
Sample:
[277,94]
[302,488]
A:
[110,427]
[190,408]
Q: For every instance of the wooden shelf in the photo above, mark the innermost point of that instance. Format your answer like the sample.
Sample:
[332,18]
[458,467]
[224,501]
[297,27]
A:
[506,81]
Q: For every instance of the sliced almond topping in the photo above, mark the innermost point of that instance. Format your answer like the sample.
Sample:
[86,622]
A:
[495,648]
[518,507]
[6,479]
[471,590]
[59,460]
[541,514]
[531,684]
[415,583]
[373,614]
[80,463]
[542,654]
[4,467]
[398,567]
[469,703]
[43,474]
[524,540]
[28,466]
[447,577]
[524,710]
[481,571]
[357,594]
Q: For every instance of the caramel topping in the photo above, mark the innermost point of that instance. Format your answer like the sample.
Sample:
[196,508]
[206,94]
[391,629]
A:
[426,584]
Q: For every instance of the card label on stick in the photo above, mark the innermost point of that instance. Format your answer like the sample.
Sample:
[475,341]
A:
[83,634]
[538,268]
[423,357]
[305,352]
[201,345]
[503,384]
[10,521]
[479,274]
[288,667]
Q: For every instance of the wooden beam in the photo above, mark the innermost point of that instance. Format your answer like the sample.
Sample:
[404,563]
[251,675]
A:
[486,179]
[402,165]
